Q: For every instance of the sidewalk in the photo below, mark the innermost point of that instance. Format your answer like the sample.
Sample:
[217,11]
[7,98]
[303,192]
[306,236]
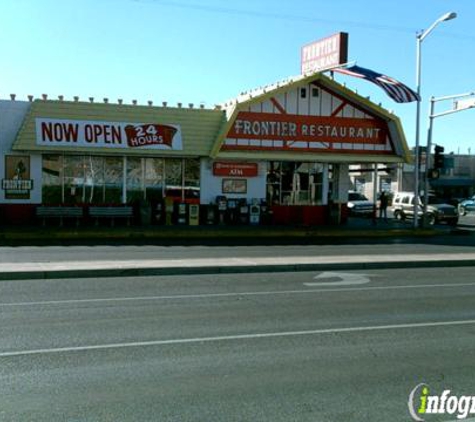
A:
[210,265]
[355,230]
[183,235]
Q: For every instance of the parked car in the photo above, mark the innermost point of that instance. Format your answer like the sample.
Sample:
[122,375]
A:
[437,210]
[359,205]
[466,205]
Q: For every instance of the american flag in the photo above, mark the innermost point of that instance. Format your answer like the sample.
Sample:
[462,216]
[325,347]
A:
[395,89]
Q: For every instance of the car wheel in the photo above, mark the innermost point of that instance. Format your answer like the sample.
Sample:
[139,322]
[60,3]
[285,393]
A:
[462,210]
[431,219]
[399,215]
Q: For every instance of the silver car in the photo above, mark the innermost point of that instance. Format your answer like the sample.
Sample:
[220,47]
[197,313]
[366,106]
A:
[437,210]
[359,205]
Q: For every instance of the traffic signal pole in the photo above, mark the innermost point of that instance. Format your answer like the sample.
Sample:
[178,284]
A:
[428,162]
[457,106]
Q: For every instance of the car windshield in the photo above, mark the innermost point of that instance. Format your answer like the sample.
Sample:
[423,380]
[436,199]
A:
[355,196]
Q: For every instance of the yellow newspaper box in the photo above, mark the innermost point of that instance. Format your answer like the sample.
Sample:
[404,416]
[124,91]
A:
[194,214]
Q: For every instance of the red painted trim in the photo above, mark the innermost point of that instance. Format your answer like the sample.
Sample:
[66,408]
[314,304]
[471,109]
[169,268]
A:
[357,107]
[347,101]
[339,109]
[278,106]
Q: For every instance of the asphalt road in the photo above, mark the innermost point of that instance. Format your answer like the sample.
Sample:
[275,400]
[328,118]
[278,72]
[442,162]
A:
[250,347]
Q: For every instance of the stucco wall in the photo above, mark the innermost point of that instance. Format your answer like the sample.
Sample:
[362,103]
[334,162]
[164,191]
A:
[12,115]
[211,186]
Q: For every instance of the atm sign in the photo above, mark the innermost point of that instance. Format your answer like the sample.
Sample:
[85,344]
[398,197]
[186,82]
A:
[235,169]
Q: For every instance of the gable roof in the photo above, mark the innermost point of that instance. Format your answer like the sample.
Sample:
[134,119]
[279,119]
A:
[247,100]
[199,127]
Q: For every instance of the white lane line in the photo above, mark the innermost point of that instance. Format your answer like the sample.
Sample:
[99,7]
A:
[237,337]
[462,420]
[218,295]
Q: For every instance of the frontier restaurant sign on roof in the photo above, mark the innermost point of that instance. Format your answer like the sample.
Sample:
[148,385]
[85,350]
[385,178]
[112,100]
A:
[325,53]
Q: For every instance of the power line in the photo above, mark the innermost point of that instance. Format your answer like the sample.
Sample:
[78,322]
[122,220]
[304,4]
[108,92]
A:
[281,16]
[297,18]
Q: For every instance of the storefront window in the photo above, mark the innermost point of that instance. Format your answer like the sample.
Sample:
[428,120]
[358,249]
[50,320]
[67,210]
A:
[174,178]
[135,180]
[74,179]
[52,179]
[274,183]
[153,179]
[113,180]
[316,183]
[77,179]
[192,179]
[287,183]
[94,180]
[294,183]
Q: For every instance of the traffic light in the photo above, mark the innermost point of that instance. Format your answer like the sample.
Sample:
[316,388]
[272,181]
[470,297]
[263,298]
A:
[439,157]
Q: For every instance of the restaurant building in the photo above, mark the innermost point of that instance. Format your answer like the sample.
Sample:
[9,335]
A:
[285,148]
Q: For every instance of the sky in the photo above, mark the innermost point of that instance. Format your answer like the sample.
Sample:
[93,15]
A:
[209,51]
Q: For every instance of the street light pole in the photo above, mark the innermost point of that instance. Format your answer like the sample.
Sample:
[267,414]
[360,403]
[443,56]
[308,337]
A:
[419,38]
[418,119]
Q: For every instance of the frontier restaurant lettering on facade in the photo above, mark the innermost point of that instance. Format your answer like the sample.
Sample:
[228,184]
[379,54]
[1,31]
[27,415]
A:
[81,133]
[287,127]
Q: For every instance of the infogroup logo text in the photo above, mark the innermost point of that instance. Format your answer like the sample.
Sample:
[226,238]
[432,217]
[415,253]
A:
[422,402]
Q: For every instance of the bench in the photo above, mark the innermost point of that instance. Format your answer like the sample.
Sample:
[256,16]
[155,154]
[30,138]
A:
[111,213]
[59,212]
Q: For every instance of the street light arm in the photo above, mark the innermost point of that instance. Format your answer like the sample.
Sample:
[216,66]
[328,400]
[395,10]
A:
[446,17]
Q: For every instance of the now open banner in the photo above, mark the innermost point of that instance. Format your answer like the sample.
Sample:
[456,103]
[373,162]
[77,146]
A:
[100,134]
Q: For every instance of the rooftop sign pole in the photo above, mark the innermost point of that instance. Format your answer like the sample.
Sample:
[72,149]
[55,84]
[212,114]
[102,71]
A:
[325,54]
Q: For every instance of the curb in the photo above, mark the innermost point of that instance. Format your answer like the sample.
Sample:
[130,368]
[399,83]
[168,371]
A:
[231,269]
[202,234]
